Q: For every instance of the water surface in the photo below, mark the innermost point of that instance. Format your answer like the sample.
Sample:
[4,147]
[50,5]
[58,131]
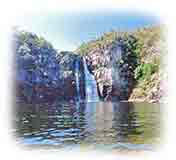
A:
[100,125]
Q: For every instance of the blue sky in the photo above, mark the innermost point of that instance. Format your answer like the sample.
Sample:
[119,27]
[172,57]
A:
[66,31]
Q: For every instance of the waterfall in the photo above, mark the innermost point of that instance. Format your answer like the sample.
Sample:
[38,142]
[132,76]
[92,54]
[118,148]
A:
[77,68]
[90,85]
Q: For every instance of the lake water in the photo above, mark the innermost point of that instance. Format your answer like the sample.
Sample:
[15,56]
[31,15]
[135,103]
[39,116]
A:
[100,125]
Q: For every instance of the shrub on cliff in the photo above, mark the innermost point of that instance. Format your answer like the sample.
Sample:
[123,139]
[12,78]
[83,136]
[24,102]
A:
[150,70]
[112,58]
[144,71]
[141,58]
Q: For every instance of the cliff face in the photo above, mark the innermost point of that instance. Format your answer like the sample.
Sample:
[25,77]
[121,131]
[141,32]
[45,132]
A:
[113,67]
[151,73]
[67,76]
[43,74]
[128,66]
[112,59]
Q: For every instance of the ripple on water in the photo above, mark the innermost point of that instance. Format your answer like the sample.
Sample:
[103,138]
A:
[109,126]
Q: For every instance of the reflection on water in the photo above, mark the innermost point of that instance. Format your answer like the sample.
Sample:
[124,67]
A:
[101,125]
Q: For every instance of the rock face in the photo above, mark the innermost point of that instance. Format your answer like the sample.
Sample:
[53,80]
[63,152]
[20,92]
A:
[129,66]
[71,67]
[122,66]
[151,74]
[113,69]
[42,74]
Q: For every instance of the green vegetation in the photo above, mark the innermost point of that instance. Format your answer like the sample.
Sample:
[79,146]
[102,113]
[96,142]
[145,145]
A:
[144,50]
[83,48]
[138,64]
[150,73]
[129,40]
[105,39]
[144,71]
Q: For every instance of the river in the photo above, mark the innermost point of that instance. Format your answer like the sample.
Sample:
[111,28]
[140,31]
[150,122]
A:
[98,125]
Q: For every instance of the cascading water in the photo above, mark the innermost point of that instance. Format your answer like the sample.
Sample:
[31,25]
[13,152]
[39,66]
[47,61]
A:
[77,71]
[90,85]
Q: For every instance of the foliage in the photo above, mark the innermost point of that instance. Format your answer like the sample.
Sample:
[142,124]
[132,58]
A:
[144,71]
[105,39]
[131,50]
[141,56]
[35,59]
[83,49]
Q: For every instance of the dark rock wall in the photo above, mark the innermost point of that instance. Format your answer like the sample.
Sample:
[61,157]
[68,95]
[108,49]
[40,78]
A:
[43,74]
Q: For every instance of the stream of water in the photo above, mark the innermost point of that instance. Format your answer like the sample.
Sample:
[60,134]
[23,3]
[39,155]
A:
[77,72]
[90,85]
